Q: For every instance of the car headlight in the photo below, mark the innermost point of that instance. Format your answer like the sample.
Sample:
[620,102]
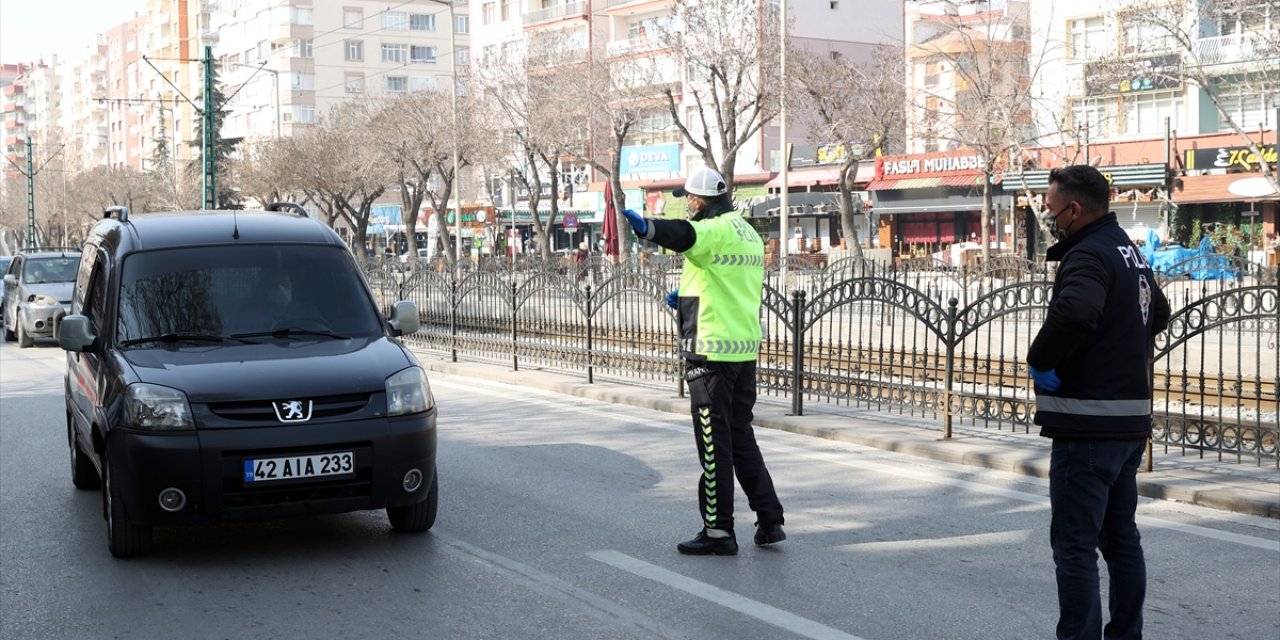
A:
[409,392]
[42,300]
[157,408]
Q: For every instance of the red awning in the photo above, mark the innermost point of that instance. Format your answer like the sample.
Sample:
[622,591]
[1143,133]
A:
[964,180]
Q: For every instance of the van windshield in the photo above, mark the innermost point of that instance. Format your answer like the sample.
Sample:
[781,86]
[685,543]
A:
[207,293]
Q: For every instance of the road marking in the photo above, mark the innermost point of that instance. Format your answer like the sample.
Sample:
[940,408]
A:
[995,539]
[603,609]
[727,599]
[928,474]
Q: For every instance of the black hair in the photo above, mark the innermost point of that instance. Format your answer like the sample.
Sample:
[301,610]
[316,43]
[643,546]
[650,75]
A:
[1084,184]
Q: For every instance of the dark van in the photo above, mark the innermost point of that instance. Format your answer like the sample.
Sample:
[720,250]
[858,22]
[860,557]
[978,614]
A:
[229,365]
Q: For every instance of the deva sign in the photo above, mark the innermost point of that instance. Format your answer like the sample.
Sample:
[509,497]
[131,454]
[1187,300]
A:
[652,159]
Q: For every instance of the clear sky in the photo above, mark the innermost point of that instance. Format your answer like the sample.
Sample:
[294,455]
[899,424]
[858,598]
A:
[34,29]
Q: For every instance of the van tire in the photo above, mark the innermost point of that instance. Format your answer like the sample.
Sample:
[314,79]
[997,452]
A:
[124,539]
[416,518]
[83,473]
[24,341]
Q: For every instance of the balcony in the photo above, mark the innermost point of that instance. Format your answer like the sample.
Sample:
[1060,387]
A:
[556,12]
[631,46]
[1245,49]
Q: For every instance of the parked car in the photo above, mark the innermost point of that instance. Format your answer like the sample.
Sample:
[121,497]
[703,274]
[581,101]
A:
[234,366]
[37,292]
[4,267]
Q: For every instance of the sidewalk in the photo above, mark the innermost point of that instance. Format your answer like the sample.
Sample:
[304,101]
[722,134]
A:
[1240,487]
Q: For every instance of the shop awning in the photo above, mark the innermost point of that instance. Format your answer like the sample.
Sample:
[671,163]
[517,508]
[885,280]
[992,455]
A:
[966,180]
[1134,175]
[823,176]
[1214,189]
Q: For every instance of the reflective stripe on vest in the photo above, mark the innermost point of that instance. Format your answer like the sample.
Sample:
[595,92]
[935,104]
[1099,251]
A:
[1076,406]
[738,261]
[719,347]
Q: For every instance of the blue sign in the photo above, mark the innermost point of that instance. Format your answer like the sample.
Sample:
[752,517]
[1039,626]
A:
[656,159]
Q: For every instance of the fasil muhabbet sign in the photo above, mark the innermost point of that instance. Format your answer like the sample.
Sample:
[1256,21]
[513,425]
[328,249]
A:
[910,166]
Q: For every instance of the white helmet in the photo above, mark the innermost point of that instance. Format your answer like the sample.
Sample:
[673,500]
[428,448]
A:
[705,182]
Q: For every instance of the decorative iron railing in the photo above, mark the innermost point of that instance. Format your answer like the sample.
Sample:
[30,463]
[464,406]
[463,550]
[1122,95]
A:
[918,339]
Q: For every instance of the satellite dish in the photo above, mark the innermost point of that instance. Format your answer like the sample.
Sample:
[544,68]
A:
[1256,187]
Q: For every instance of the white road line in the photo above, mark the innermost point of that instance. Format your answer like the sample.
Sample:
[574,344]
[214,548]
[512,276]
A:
[924,474]
[727,599]
[994,539]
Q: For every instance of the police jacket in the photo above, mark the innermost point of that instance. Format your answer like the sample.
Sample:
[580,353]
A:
[720,287]
[1098,335]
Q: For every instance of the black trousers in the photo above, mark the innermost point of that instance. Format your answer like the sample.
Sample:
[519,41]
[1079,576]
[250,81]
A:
[722,395]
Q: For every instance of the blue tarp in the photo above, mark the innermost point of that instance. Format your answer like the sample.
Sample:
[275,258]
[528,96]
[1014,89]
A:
[1201,263]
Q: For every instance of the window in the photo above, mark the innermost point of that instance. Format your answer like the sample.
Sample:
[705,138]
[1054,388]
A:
[395,21]
[835,4]
[353,18]
[301,114]
[506,10]
[422,22]
[490,53]
[397,84]
[302,81]
[654,127]
[427,83]
[463,57]
[1094,113]
[354,50]
[461,24]
[1248,109]
[305,48]
[354,83]
[398,53]
[419,55]
[1145,113]
[1087,38]
[488,12]
[1142,34]
[300,15]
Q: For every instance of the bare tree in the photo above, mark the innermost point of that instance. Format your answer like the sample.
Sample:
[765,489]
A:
[729,50]
[1229,49]
[989,107]
[265,170]
[855,105]
[339,168]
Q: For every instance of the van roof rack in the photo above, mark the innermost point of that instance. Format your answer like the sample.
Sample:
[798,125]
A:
[121,211]
[288,206]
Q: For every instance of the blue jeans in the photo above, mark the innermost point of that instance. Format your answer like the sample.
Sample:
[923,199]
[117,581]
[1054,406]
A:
[1093,493]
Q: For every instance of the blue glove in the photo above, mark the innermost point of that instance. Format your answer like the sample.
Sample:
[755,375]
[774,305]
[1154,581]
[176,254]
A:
[637,222]
[673,299]
[1046,380]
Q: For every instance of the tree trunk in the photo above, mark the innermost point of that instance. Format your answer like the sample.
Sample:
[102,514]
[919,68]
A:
[848,211]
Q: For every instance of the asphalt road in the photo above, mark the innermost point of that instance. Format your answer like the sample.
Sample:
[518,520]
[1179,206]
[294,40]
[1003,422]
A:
[558,520]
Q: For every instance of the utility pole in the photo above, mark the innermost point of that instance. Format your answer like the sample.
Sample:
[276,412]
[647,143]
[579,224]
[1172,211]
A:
[208,141]
[31,197]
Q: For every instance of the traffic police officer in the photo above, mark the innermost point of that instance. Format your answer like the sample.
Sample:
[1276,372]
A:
[718,313]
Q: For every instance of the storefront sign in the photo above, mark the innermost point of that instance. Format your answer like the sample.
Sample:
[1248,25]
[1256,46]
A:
[836,153]
[1152,74]
[1134,175]
[899,166]
[649,160]
[1229,157]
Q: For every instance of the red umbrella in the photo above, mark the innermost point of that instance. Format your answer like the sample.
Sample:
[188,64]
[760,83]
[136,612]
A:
[610,231]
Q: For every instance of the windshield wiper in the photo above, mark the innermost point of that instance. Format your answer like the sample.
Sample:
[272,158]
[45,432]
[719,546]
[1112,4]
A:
[289,332]
[173,338]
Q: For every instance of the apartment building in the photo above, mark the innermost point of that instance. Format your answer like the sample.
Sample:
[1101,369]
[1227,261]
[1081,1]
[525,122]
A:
[284,62]
[13,115]
[655,156]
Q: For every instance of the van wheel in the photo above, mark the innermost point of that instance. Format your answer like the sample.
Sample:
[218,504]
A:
[24,340]
[83,475]
[418,517]
[124,538]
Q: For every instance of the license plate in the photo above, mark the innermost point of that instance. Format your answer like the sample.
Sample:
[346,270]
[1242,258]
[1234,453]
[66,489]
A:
[339,463]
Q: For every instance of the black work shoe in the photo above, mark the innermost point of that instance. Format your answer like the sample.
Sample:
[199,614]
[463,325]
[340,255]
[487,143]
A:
[704,545]
[769,534]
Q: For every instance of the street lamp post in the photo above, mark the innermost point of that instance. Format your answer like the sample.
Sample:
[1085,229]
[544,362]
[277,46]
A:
[457,194]
[784,230]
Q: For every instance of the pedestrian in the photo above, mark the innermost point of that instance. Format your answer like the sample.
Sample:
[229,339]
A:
[580,260]
[1091,364]
[718,315]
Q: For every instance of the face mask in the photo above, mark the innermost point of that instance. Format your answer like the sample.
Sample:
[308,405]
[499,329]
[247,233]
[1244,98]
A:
[279,295]
[1049,221]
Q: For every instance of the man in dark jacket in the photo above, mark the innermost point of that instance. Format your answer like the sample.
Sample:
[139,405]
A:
[718,312]
[1091,363]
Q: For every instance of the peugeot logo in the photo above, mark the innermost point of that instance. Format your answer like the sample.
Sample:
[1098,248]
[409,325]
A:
[292,410]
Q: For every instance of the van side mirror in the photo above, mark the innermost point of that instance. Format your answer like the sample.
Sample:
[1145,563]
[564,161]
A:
[10,280]
[404,318]
[74,334]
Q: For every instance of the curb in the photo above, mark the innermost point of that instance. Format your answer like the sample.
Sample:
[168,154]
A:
[1247,496]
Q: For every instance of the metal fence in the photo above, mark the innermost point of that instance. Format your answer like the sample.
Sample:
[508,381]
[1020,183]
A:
[917,338]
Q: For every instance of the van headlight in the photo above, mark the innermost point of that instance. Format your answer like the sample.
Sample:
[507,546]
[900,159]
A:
[42,300]
[157,408]
[408,392]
